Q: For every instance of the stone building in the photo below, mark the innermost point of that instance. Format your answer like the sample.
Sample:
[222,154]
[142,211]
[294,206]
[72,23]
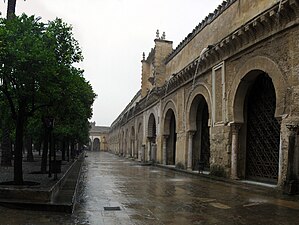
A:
[225,100]
[98,136]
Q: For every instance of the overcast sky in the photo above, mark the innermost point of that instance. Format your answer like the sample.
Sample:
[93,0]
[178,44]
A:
[113,34]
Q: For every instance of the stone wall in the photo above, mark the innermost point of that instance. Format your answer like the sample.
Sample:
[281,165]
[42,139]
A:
[226,19]
[256,37]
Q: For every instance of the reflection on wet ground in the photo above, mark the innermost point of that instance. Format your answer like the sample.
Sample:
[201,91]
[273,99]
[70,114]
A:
[148,195]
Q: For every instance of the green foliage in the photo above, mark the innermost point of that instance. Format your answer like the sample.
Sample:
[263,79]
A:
[75,109]
[62,42]
[25,62]
[72,107]
[218,171]
[36,70]
[38,79]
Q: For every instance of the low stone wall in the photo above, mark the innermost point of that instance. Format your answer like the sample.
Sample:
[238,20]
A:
[36,194]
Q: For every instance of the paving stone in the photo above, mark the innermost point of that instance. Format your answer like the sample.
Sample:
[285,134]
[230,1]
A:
[147,198]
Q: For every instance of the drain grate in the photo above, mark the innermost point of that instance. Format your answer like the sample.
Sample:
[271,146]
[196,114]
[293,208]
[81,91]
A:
[112,208]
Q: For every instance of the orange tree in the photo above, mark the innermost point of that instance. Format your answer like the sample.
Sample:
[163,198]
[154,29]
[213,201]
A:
[36,65]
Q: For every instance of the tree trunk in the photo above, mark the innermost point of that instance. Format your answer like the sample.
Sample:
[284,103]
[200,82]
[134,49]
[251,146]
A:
[6,148]
[38,147]
[80,148]
[11,9]
[68,149]
[51,145]
[63,149]
[28,144]
[18,161]
[72,150]
[45,152]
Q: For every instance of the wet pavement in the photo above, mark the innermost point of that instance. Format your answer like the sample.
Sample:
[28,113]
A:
[152,195]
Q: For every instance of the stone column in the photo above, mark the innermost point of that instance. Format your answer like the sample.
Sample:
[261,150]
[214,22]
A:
[190,149]
[132,149]
[153,152]
[128,149]
[165,137]
[149,149]
[91,144]
[291,185]
[139,152]
[135,149]
[120,148]
[235,147]
[143,153]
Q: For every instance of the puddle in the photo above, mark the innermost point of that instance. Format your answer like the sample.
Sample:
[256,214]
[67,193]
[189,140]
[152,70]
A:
[177,179]
[219,205]
[154,171]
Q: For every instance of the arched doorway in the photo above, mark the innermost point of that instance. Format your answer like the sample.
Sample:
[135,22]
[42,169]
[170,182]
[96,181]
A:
[170,130]
[199,121]
[262,130]
[96,144]
[152,134]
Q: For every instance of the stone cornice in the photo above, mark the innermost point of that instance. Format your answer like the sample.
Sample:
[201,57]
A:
[150,98]
[128,114]
[272,21]
[121,115]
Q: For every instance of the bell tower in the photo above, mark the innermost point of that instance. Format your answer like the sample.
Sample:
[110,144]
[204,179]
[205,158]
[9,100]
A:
[153,67]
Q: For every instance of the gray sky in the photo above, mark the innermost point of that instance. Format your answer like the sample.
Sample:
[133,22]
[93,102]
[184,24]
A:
[113,34]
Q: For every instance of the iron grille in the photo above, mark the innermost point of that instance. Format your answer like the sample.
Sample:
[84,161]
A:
[205,144]
[263,131]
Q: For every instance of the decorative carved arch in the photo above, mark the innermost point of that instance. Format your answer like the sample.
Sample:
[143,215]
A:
[169,107]
[139,134]
[133,137]
[96,144]
[152,126]
[244,78]
[199,90]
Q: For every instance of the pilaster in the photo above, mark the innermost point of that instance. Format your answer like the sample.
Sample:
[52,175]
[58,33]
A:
[235,128]
[190,149]
[291,185]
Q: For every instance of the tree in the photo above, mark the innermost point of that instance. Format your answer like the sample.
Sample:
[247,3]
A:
[5,140]
[72,123]
[25,67]
[36,64]
[67,52]
[6,127]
